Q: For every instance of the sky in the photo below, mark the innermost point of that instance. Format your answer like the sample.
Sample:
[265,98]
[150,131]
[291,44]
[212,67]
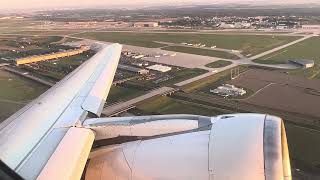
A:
[18,4]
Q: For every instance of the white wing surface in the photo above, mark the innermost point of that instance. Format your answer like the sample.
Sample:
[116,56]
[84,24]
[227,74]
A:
[30,136]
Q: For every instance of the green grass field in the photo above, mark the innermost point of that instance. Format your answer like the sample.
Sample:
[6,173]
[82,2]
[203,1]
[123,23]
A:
[184,74]
[218,64]
[177,74]
[210,80]
[167,105]
[203,52]
[119,93]
[304,146]
[249,44]
[308,49]
[12,25]
[15,92]
[7,109]
[135,39]
[204,82]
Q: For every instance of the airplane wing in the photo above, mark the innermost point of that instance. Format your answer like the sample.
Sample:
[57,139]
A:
[60,136]
[30,136]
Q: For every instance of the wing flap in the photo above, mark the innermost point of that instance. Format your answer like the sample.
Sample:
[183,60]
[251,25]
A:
[76,153]
[102,82]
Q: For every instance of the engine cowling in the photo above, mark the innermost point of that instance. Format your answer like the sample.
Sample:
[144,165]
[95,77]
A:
[237,146]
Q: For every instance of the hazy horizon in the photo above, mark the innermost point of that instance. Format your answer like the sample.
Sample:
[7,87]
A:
[28,4]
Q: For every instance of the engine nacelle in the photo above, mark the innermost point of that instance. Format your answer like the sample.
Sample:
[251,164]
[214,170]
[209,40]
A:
[235,146]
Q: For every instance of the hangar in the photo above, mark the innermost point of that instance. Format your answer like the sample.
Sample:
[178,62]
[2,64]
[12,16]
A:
[304,63]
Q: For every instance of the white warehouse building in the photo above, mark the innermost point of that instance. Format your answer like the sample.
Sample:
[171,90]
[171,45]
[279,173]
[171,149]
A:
[227,90]
[160,68]
[146,24]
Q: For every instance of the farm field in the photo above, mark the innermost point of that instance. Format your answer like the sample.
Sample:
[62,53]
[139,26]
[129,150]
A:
[248,44]
[281,91]
[308,49]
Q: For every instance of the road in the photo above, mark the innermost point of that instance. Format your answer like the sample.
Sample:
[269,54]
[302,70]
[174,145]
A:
[4,64]
[109,110]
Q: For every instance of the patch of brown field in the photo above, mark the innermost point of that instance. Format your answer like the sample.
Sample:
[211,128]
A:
[253,84]
[288,98]
[269,76]
[288,93]
[4,74]
[5,47]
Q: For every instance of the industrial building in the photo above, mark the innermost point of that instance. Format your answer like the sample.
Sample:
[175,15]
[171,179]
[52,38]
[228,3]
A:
[133,69]
[304,63]
[138,56]
[160,68]
[37,58]
[310,26]
[227,90]
[146,24]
